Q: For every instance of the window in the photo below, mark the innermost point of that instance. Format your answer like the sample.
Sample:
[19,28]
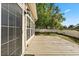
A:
[30,27]
[4,17]
[4,35]
[11,29]
[4,49]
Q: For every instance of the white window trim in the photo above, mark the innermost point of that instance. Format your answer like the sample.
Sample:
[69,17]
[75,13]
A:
[30,18]
[23,38]
[31,37]
[33,23]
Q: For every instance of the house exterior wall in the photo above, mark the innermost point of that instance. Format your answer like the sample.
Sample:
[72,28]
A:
[11,29]
[30,21]
[25,30]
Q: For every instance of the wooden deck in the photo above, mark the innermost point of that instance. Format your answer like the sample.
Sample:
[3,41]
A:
[51,45]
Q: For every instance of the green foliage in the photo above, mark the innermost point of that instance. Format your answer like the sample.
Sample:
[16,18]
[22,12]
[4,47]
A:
[77,26]
[71,27]
[65,27]
[49,16]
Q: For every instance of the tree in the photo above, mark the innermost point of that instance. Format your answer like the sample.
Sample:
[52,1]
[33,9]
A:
[57,18]
[43,16]
[49,16]
[65,27]
[77,27]
[71,27]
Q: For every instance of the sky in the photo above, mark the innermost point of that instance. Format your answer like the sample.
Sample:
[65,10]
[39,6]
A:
[71,11]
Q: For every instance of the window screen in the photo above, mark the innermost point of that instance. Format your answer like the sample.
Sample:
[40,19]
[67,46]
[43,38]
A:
[11,29]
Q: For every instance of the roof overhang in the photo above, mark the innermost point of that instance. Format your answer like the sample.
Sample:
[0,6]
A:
[32,7]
